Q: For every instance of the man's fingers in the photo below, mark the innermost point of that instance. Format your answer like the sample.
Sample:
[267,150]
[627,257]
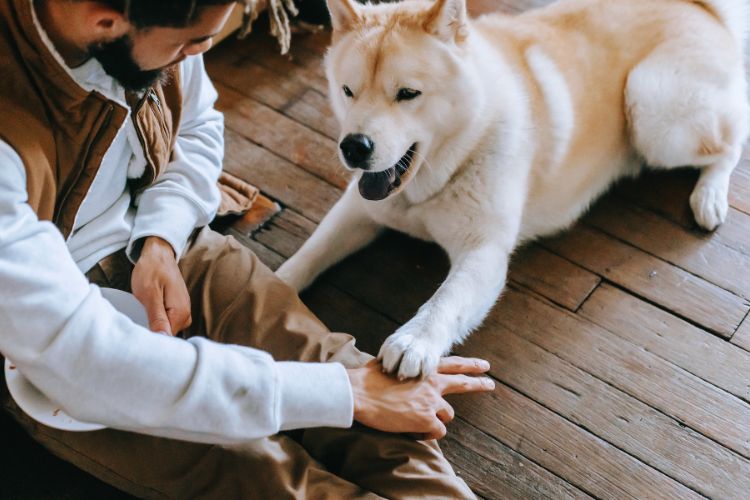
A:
[457,364]
[446,414]
[438,431]
[457,384]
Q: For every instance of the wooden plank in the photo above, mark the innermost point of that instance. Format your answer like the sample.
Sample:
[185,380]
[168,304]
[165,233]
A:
[417,268]
[673,391]
[251,79]
[286,233]
[700,254]
[569,451]
[551,276]
[495,471]
[316,42]
[670,338]
[742,337]
[667,193]
[279,178]
[534,267]
[739,187]
[287,138]
[300,63]
[266,255]
[341,312]
[312,109]
[647,276]
[607,412]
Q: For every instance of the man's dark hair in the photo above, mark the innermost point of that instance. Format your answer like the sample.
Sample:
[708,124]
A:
[163,13]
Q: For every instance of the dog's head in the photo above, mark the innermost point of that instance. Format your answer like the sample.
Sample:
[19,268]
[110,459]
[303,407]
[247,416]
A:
[397,86]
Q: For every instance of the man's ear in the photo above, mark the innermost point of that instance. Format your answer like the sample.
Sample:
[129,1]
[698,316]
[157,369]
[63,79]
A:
[344,15]
[104,22]
[447,20]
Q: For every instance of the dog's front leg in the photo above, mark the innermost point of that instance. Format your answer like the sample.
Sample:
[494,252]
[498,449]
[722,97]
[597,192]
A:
[476,278]
[343,231]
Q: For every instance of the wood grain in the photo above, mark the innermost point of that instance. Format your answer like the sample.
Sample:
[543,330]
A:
[647,276]
[661,333]
[643,432]
[292,141]
[629,367]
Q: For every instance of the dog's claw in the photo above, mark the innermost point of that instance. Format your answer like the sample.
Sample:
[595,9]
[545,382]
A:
[409,355]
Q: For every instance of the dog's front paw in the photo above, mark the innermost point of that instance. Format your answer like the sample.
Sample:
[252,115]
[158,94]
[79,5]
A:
[710,206]
[410,355]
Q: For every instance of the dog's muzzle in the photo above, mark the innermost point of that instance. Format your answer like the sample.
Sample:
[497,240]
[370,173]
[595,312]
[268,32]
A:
[379,185]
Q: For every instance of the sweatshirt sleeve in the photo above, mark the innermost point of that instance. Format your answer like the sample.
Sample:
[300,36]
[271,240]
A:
[185,195]
[101,367]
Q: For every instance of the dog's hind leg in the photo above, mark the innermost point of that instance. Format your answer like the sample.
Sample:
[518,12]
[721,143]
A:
[343,231]
[687,106]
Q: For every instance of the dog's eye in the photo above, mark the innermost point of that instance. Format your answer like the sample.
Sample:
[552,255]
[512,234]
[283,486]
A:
[407,94]
[347,91]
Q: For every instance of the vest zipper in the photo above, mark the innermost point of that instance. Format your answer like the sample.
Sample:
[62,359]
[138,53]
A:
[150,94]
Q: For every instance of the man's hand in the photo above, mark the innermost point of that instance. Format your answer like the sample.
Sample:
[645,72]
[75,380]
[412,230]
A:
[414,406]
[158,285]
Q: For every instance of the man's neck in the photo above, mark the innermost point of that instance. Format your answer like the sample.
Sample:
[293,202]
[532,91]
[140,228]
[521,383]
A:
[51,16]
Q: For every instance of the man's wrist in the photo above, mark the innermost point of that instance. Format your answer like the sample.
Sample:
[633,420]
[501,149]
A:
[153,245]
[356,382]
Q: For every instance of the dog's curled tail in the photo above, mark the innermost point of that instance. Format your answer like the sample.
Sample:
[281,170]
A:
[735,14]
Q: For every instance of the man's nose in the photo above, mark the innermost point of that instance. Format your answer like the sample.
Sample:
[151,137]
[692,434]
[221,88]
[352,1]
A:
[357,150]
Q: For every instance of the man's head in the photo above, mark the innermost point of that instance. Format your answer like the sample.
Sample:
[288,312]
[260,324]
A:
[136,41]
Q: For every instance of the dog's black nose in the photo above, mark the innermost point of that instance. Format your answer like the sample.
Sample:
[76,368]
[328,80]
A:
[357,149]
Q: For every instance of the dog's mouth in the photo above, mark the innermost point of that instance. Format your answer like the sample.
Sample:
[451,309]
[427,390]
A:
[376,186]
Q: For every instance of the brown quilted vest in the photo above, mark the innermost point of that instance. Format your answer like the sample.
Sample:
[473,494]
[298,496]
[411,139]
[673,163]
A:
[61,131]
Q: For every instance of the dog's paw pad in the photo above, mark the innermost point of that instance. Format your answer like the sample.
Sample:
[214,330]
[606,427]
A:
[710,206]
[409,355]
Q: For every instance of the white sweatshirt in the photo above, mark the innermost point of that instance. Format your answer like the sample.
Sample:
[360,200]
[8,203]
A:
[93,361]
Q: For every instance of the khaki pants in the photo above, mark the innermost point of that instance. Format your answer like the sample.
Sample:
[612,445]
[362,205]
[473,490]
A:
[236,299]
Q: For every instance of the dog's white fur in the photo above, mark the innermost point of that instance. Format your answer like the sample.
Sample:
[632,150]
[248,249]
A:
[522,122]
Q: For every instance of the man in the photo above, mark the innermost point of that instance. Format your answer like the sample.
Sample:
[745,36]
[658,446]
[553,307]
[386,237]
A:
[109,152]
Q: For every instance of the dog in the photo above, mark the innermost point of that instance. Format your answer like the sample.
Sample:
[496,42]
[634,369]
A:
[484,134]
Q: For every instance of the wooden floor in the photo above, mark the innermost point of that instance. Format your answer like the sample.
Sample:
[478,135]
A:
[621,349]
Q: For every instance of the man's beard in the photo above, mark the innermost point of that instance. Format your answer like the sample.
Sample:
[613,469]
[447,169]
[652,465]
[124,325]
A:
[116,57]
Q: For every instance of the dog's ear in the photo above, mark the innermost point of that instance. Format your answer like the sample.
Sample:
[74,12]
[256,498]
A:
[446,19]
[344,14]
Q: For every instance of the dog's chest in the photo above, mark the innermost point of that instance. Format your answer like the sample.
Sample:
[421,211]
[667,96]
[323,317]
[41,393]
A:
[402,217]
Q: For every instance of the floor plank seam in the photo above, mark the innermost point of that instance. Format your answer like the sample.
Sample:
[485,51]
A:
[744,320]
[588,295]
[663,308]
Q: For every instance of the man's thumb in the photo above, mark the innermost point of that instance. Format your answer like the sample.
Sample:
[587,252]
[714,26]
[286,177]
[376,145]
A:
[157,318]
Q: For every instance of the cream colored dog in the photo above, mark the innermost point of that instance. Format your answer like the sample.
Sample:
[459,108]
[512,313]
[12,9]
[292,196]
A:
[482,134]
